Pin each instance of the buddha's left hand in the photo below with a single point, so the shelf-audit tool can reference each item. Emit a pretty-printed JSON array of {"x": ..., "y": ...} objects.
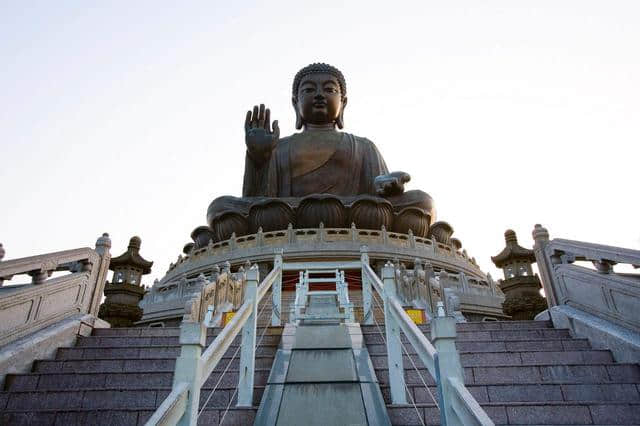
[{"x": 391, "y": 184}]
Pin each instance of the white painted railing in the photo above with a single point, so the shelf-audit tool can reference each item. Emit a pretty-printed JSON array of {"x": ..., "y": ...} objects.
[
  {"x": 193, "y": 367},
  {"x": 457, "y": 405},
  {"x": 303, "y": 292}
]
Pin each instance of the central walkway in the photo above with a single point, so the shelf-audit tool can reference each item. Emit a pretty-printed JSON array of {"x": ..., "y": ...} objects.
[{"x": 322, "y": 374}]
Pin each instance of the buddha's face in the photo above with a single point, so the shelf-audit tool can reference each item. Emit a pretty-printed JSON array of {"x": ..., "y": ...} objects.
[{"x": 320, "y": 100}]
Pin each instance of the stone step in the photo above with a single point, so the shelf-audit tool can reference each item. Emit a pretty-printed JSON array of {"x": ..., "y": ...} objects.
[
  {"x": 130, "y": 365},
  {"x": 233, "y": 416},
  {"x": 150, "y": 398},
  {"x": 593, "y": 393},
  {"x": 536, "y": 345},
  {"x": 623, "y": 413},
  {"x": 497, "y": 335},
  {"x": 499, "y": 359},
  {"x": 167, "y": 331},
  {"x": 478, "y": 326},
  {"x": 124, "y": 380},
  {"x": 366, "y": 329},
  {"x": 142, "y": 352},
  {"x": 524, "y": 345},
  {"x": 501, "y": 335},
  {"x": 585, "y": 413},
  {"x": 115, "y": 341},
  {"x": 531, "y": 374}
]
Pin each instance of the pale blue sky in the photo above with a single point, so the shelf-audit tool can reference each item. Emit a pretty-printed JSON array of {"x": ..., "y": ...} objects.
[{"x": 127, "y": 116}]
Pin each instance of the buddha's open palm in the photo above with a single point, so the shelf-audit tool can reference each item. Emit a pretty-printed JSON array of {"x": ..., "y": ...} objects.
[{"x": 259, "y": 138}]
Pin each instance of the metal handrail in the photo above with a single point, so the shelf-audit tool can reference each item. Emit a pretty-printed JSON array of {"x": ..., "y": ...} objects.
[
  {"x": 377, "y": 284},
  {"x": 467, "y": 407},
  {"x": 216, "y": 350},
  {"x": 457, "y": 405},
  {"x": 193, "y": 367},
  {"x": 268, "y": 282},
  {"x": 172, "y": 408},
  {"x": 424, "y": 349}
]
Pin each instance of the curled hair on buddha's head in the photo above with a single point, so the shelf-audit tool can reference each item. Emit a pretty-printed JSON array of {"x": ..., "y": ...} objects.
[{"x": 319, "y": 68}]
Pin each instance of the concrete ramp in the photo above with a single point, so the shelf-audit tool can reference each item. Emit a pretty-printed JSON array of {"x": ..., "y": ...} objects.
[{"x": 322, "y": 375}]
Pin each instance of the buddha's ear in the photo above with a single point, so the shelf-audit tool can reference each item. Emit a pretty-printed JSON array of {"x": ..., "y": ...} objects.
[
  {"x": 340, "y": 119},
  {"x": 294, "y": 102}
]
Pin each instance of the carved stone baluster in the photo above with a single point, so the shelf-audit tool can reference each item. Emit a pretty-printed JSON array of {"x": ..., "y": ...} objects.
[
  {"x": 430, "y": 275},
  {"x": 260, "y": 237},
  {"x": 412, "y": 239},
  {"x": 291, "y": 235}
]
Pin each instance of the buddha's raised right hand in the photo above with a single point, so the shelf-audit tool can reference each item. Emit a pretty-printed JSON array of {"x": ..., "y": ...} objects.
[{"x": 259, "y": 138}]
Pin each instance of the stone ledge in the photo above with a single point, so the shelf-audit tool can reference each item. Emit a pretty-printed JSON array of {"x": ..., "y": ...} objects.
[
  {"x": 17, "y": 357},
  {"x": 602, "y": 334}
]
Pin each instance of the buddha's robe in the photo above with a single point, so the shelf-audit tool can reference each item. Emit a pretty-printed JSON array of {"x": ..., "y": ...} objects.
[
  {"x": 318, "y": 162},
  {"x": 322, "y": 162}
]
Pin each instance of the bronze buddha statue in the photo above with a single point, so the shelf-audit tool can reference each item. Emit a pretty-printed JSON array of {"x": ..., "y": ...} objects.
[{"x": 318, "y": 175}]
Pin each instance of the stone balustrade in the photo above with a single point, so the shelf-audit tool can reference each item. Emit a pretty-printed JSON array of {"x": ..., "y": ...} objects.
[
  {"x": 37, "y": 318},
  {"x": 325, "y": 235},
  {"x": 219, "y": 288},
  {"x": 307, "y": 244},
  {"x": 422, "y": 287},
  {"x": 597, "y": 303},
  {"x": 27, "y": 308},
  {"x": 600, "y": 291}
]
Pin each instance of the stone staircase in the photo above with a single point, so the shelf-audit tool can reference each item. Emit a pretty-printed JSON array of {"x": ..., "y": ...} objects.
[
  {"x": 521, "y": 372},
  {"x": 120, "y": 376}
]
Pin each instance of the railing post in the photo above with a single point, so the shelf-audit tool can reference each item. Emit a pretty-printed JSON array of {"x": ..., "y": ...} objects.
[
  {"x": 103, "y": 245},
  {"x": 367, "y": 313},
  {"x": 541, "y": 238},
  {"x": 248, "y": 344},
  {"x": 443, "y": 335},
  {"x": 276, "y": 292},
  {"x": 348, "y": 306},
  {"x": 394, "y": 344},
  {"x": 189, "y": 367},
  {"x": 298, "y": 301}
]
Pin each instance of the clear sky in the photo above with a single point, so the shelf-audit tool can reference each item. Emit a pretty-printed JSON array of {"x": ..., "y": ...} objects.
[{"x": 127, "y": 116}]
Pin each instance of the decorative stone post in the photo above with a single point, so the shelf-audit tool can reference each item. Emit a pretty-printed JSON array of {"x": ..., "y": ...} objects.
[
  {"x": 276, "y": 292},
  {"x": 367, "y": 312},
  {"x": 394, "y": 344},
  {"x": 448, "y": 366},
  {"x": 188, "y": 369},
  {"x": 541, "y": 238},
  {"x": 248, "y": 345}
]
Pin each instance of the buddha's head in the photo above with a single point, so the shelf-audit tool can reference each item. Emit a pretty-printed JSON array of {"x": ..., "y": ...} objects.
[{"x": 319, "y": 96}]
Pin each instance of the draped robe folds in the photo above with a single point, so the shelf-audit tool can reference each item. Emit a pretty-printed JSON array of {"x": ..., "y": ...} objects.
[
  {"x": 326, "y": 162},
  {"x": 319, "y": 162}
]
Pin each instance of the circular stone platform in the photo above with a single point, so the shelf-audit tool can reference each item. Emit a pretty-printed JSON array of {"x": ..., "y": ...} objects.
[{"x": 478, "y": 294}]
